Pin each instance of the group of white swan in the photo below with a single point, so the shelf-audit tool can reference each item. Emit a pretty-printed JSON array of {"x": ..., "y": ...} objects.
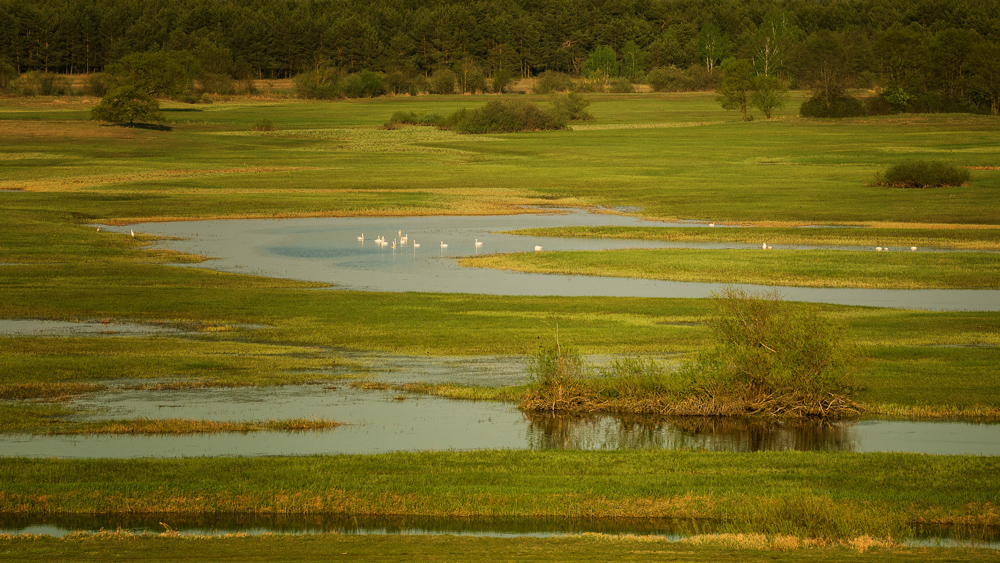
[{"x": 404, "y": 239}]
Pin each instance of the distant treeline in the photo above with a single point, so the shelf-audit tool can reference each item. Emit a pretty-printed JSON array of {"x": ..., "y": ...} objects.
[{"x": 907, "y": 43}]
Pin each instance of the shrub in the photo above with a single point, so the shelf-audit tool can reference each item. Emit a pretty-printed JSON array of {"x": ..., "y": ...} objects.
[
  {"x": 773, "y": 358},
  {"x": 501, "y": 81},
  {"x": 571, "y": 107},
  {"x": 621, "y": 85},
  {"x": 320, "y": 84},
  {"x": 128, "y": 104},
  {"x": 552, "y": 81},
  {"x": 443, "y": 82},
  {"x": 505, "y": 116},
  {"x": 412, "y": 118},
  {"x": 7, "y": 75},
  {"x": 669, "y": 79},
  {"x": 263, "y": 125},
  {"x": 921, "y": 174},
  {"x": 37, "y": 83},
  {"x": 843, "y": 106},
  {"x": 365, "y": 84}
]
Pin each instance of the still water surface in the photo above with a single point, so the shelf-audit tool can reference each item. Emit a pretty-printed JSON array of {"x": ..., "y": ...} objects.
[
  {"x": 327, "y": 250},
  {"x": 384, "y": 421}
]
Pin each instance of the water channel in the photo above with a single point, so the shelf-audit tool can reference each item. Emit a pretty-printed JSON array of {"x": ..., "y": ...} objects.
[{"x": 327, "y": 250}]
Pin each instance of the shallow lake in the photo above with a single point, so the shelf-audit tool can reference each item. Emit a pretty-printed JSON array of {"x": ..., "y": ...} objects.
[
  {"x": 327, "y": 250},
  {"x": 385, "y": 420}
]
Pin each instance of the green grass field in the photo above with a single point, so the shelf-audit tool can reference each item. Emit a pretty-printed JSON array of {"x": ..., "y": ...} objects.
[{"x": 668, "y": 156}]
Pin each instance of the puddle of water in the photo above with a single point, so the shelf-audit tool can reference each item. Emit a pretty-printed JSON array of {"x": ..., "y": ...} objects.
[
  {"x": 385, "y": 420},
  {"x": 327, "y": 250},
  {"x": 35, "y": 327}
]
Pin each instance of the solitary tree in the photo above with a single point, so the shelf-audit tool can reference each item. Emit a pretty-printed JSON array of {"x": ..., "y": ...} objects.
[
  {"x": 738, "y": 85},
  {"x": 769, "y": 93},
  {"x": 128, "y": 104}
]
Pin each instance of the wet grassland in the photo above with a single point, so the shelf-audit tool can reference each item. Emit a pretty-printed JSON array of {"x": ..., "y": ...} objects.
[{"x": 668, "y": 156}]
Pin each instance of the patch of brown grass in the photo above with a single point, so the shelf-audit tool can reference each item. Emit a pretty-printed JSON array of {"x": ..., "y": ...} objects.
[{"x": 149, "y": 427}]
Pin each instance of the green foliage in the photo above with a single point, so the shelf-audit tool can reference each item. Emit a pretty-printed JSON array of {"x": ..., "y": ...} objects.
[
  {"x": 7, "y": 75},
  {"x": 128, "y": 104},
  {"x": 621, "y": 85},
  {"x": 923, "y": 174},
  {"x": 321, "y": 83},
  {"x": 414, "y": 118},
  {"x": 669, "y": 79},
  {"x": 366, "y": 84},
  {"x": 263, "y": 125},
  {"x": 501, "y": 81},
  {"x": 712, "y": 45},
  {"x": 158, "y": 73},
  {"x": 571, "y": 107},
  {"x": 602, "y": 59},
  {"x": 633, "y": 62},
  {"x": 738, "y": 85},
  {"x": 552, "y": 81},
  {"x": 556, "y": 365},
  {"x": 769, "y": 94},
  {"x": 506, "y": 115},
  {"x": 443, "y": 82},
  {"x": 774, "y": 357},
  {"x": 37, "y": 83},
  {"x": 842, "y": 106}
]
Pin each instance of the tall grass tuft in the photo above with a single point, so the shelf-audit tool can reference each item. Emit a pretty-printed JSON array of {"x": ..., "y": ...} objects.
[{"x": 922, "y": 174}]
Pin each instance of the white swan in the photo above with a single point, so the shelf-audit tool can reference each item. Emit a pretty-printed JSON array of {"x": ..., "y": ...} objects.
[
  {"x": 538, "y": 248},
  {"x": 444, "y": 244},
  {"x": 362, "y": 237},
  {"x": 478, "y": 243}
]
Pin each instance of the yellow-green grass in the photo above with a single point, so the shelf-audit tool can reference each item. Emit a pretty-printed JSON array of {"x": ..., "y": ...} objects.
[
  {"x": 783, "y": 267},
  {"x": 575, "y": 549},
  {"x": 823, "y": 495},
  {"x": 792, "y": 170}
]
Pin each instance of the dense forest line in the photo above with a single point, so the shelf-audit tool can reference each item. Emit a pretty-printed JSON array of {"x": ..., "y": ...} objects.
[
  {"x": 948, "y": 47},
  {"x": 280, "y": 38}
]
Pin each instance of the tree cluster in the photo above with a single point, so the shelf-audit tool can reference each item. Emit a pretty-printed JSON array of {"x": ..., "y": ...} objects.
[{"x": 939, "y": 53}]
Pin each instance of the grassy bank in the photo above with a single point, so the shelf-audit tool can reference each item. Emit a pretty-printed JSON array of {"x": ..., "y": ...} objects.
[
  {"x": 824, "y": 495},
  {"x": 808, "y": 268}
]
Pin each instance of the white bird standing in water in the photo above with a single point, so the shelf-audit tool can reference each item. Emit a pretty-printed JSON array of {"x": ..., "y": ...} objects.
[
  {"x": 763, "y": 245},
  {"x": 133, "y": 233},
  {"x": 913, "y": 248}
]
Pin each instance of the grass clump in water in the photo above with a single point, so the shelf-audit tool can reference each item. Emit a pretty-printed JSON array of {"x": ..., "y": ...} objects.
[
  {"x": 923, "y": 174},
  {"x": 771, "y": 359}
]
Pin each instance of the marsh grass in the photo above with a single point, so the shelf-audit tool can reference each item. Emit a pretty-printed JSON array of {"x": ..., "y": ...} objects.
[
  {"x": 151, "y": 427},
  {"x": 807, "y": 494}
]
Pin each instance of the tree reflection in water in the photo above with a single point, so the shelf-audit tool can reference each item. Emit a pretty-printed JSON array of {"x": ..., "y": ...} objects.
[{"x": 633, "y": 432}]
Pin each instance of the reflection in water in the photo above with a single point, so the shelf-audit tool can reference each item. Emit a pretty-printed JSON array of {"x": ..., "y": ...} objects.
[
  {"x": 379, "y": 421},
  {"x": 551, "y": 431}
]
